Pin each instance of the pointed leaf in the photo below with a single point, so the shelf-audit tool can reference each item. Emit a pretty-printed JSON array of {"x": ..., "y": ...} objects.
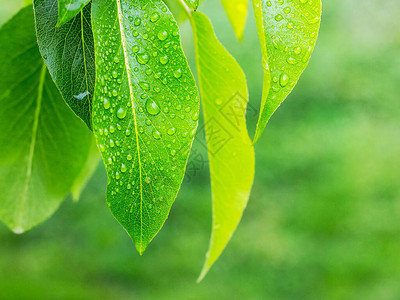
[
  {"x": 69, "y": 54},
  {"x": 237, "y": 14},
  {"x": 145, "y": 111},
  {"x": 288, "y": 32},
  {"x": 43, "y": 144},
  {"x": 224, "y": 96},
  {"x": 68, "y": 9}
]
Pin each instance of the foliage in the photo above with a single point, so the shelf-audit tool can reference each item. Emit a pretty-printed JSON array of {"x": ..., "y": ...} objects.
[{"x": 120, "y": 67}]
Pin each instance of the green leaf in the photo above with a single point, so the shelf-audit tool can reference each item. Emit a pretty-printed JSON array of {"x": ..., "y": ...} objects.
[
  {"x": 224, "y": 96},
  {"x": 179, "y": 8},
  {"x": 237, "y": 14},
  {"x": 192, "y": 4},
  {"x": 68, "y": 9},
  {"x": 288, "y": 32},
  {"x": 43, "y": 144},
  {"x": 145, "y": 111},
  {"x": 86, "y": 172},
  {"x": 69, "y": 54}
]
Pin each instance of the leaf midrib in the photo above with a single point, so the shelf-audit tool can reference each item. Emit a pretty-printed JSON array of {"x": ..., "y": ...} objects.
[
  {"x": 28, "y": 174},
  {"x": 128, "y": 72}
]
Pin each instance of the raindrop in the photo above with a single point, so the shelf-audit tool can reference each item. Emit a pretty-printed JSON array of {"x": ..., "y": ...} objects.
[
  {"x": 156, "y": 134},
  {"x": 152, "y": 107},
  {"x": 164, "y": 59},
  {"x": 121, "y": 113},
  {"x": 178, "y": 73},
  {"x": 154, "y": 17},
  {"x": 162, "y": 35},
  {"x": 171, "y": 131},
  {"x": 283, "y": 80},
  {"x": 143, "y": 58}
]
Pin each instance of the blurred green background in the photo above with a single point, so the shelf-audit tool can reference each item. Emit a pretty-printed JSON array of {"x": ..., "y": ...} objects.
[{"x": 323, "y": 221}]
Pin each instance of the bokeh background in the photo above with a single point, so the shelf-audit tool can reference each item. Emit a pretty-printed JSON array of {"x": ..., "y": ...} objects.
[{"x": 323, "y": 221}]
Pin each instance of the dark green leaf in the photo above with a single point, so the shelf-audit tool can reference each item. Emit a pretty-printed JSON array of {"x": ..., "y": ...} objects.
[
  {"x": 224, "y": 97},
  {"x": 43, "y": 144},
  {"x": 145, "y": 111},
  {"x": 288, "y": 31},
  {"x": 69, "y": 54},
  {"x": 68, "y": 9}
]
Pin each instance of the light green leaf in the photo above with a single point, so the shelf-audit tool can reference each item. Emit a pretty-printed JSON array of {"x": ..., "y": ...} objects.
[
  {"x": 237, "y": 14},
  {"x": 224, "y": 96},
  {"x": 288, "y": 32},
  {"x": 179, "y": 8},
  {"x": 68, "y": 9},
  {"x": 69, "y": 54},
  {"x": 86, "y": 172},
  {"x": 145, "y": 111},
  {"x": 43, "y": 144},
  {"x": 192, "y": 4}
]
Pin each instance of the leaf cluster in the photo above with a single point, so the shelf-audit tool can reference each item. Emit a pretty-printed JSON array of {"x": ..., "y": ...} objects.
[{"x": 117, "y": 66}]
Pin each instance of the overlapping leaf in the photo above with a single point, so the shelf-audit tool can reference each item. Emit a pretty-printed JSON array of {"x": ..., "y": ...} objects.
[
  {"x": 69, "y": 54},
  {"x": 145, "y": 111},
  {"x": 288, "y": 32},
  {"x": 43, "y": 145},
  {"x": 224, "y": 97},
  {"x": 68, "y": 9}
]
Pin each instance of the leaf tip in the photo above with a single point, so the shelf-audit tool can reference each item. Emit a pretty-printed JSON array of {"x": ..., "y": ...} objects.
[
  {"x": 203, "y": 273},
  {"x": 140, "y": 248},
  {"x": 18, "y": 230},
  {"x": 60, "y": 22}
]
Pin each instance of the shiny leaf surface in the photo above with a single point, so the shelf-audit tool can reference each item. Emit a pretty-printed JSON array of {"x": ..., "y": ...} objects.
[
  {"x": 145, "y": 111},
  {"x": 68, "y": 9},
  {"x": 69, "y": 54},
  {"x": 288, "y": 32}
]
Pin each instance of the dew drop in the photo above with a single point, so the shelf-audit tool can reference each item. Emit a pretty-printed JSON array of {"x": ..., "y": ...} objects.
[
  {"x": 162, "y": 35},
  {"x": 178, "y": 73},
  {"x": 144, "y": 85},
  {"x": 135, "y": 49},
  {"x": 283, "y": 80},
  {"x": 154, "y": 17},
  {"x": 143, "y": 58},
  {"x": 156, "y": 134},
  {"x": 171, "y": 131},
  {"x": 121, "y": 113},
  {"x": 152, "y": 107},
  {"x": 106, "y": 103},
  {"x": 164, "y": 59}
]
